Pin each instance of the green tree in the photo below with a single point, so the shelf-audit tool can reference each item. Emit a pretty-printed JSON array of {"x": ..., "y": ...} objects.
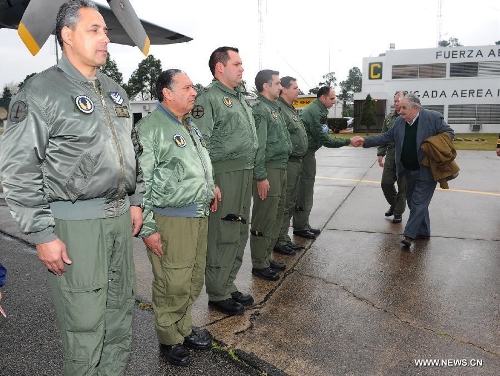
[
  {"x": 347, "y": 89},
  {"x": 111, "y": 69},
  {"x": 452, "y": 42},
  {"x": 368, "y": 114},
  {"x": 497, "y": 42},
  {"x": 6, "y": 97},
  {"x": 329, "y": 79},
  {"x": 25, "y": 79},
  {"x": 142, "y": 82}
]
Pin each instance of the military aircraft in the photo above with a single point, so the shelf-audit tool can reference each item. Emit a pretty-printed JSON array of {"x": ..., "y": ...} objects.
[{"x": 32, "y": 19}]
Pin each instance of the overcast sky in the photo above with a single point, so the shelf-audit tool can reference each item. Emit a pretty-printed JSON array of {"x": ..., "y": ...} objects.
[{"x": 301, "y": 38}]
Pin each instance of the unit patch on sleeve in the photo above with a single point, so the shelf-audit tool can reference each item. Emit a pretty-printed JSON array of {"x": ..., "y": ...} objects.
[
  {"x": 18, "y": 112},
  {"x": 84, "y": 104},
  {"x": 198, "y": 111}
]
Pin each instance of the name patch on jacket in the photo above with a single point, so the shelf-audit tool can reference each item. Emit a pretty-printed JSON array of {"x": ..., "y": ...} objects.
[
  {"x": 84, "y": 104},
  {"x": 180, "y": 141},
  {"x": 122, "y": 111}
]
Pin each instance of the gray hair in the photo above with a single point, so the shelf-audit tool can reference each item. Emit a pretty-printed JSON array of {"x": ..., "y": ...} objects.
[
  {"x": 166, "y": 80},
  {"x": 413, "y": 100},
  {"x": 68, "y": 16}
]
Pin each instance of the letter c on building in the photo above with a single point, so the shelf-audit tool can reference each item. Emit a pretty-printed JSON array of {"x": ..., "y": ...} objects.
[{"x": 375, "y": 71}]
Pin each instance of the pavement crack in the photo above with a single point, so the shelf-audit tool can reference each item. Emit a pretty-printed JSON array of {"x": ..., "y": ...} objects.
[{"x": 401, "y": 319}]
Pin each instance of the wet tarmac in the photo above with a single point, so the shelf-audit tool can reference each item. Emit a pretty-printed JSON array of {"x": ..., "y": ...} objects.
[{"x": 355, "y": 302}]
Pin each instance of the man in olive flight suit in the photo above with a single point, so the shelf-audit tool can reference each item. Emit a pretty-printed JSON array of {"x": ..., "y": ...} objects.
[
  {"x": 314, "y": 117},
  {"x": 269, "y": 174},
  {"x": 71, "y": 180},
  {"x": 179, "y": 193},
  {"x": 226, "y": 122},
  {"x": 298, "y": 136},
  {"x": 396, "y": 199}
]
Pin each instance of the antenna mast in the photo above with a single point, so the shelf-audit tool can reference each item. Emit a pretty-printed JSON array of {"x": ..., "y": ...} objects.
[
  {"x": 439, "y": 12},
  {"x": 261, "y": 33}
]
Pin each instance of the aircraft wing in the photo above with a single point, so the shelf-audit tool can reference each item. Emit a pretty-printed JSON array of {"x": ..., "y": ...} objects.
[{"x": 157, "y": 34}]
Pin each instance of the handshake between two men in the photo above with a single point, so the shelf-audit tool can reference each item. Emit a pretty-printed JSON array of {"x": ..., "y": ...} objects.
[{"x": 357, "y": 141}]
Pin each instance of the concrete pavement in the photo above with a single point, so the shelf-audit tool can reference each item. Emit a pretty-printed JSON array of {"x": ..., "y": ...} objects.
[{"x": 353, "y": 303}]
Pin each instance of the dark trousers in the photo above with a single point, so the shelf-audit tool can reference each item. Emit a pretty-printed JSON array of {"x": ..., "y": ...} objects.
[{"x": 419, "y": 192}]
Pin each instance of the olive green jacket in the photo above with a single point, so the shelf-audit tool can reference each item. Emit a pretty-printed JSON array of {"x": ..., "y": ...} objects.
[
  {"x": 314, "y": 117},
  {"x": 176, "y": 168},
  {"x": 388, "y": 124},
  {"x": 298, "y": 135},
  {"x": 274, "y": 140},
  {"x": 226, "y": 122},
  {"x": 68, "y": 151}
]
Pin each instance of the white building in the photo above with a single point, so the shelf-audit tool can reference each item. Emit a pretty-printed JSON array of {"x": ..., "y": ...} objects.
[{"x": 463, "y": 83}]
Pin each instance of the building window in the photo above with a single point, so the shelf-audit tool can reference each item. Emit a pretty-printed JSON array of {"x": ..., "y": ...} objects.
[
  {"x": 464, "y": 69},
  {"x": 432, "y": 70},
  {"x": 404, "y": 71},
  {"x": 472, "y": 114},
  {"x": 410, "y": 71},
  {"x": 488, "y": 113},
  {"x": 489, "y": 69},
  {"x": 438, "y": 107}
]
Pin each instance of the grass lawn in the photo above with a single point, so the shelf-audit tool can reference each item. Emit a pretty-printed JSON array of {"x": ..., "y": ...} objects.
[{"x": 468, "y": 141}]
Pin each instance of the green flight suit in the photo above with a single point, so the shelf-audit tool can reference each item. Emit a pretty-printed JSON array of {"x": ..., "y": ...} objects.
[
  {"x": 226, "y": 122},
  {"x": 298, "y": 137},
  {"x": 396, "y": 199},
  {"x": 179, "y": 190},
  {"x": 314, "y": 118},
  {"x": 271, "y": 164}
]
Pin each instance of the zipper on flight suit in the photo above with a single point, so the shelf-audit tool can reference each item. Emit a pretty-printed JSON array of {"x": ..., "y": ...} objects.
[
  {"x": 205, "y": 170},
  {"x": 121, "y": 189}
]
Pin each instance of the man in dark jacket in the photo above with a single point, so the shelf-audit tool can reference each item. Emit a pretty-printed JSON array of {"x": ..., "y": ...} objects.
[{"x": 412, "y": 128}]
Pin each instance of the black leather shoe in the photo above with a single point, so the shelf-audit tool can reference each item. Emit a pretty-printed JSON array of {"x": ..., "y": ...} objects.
[
  {"x": 306, "y": 234},
  {"x": 406, "y": 241},
  {"x": 229, "y": 306},
  {"x": 315, "y": 231},
  {"x": 275, "y": 265},
  {"x": 397, "y": 218},
  {"x": 295, "y": 246},
  {"x": 245, "y": 299},
  {"x": 199, "y": 339},
  {"x": 284, "y": 250},
  {"x": 266, "y": 273},
  {"x": 175, "y": 354},
  {"x": 389, "y": 212}
]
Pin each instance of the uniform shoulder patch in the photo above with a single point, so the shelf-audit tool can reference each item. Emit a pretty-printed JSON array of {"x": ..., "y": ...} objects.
[
  {"x": 18, "y": 112},
  {"x": 84, "y": 104},
  {"x": 227, "y": 101},
  {"x": 198, "y": 111}
]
